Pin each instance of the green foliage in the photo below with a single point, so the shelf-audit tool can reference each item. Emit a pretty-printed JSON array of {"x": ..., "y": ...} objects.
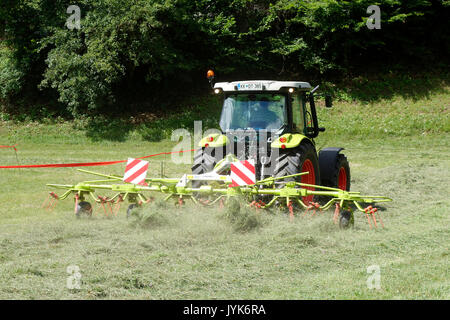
[
  {"x": 132, "y": 51},
  {"x": 10, "y": 76},
  {"x": 151, "y": 133},
  {"x": 102, "y": 128}
]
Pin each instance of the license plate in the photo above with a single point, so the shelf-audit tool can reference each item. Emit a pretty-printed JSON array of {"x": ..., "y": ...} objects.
[{"x": 250, "y": 86}]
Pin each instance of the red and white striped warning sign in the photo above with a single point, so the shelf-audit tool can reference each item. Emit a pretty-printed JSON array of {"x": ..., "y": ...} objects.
[
  {"x": 136, "y": 171},
  {"x": 243, "y": 173}
]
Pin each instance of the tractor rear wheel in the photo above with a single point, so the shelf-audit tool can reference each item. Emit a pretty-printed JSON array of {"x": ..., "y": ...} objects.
[
  {"x": 204, "y": 161},
  {"x": 341, "y": 175},
  {"x": 301, "y": 159}
]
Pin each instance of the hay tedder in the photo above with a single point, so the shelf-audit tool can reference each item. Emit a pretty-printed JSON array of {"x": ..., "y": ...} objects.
[{"x": 264, "y": 154}]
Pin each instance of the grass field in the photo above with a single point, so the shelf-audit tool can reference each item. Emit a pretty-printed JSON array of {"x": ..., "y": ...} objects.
[{"x": 397, "y": 147}]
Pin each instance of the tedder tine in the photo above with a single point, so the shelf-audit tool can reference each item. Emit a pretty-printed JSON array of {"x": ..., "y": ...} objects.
[{"x": 288, "y": 193}]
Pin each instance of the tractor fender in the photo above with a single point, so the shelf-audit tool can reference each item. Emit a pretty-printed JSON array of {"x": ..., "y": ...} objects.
[
  {"x": 327, "y": 161},
  {"x": 293, "y": 140},
  {"x": 214, "y": 140}
]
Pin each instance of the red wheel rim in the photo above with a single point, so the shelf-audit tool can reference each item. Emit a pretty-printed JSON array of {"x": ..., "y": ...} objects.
[
  {"x": 342, "y": 179},
  {"x": 309, "y": 178}
]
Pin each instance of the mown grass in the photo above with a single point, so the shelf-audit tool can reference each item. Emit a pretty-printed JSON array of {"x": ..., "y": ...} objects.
[{"x": 398, "y": 147}]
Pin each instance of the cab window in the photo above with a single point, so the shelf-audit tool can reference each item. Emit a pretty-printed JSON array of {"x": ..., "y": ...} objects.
[{"x": 298, "y": 105}]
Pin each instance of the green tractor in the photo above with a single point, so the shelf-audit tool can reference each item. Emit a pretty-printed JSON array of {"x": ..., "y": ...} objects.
[{"x": 274, "y": 123}]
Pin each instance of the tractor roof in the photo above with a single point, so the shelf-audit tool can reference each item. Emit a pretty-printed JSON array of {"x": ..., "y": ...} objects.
[{"x": 261, "y": 85}]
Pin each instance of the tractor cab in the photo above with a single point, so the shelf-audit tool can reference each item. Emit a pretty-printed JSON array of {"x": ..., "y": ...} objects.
[{"x": 277, "y": 107}]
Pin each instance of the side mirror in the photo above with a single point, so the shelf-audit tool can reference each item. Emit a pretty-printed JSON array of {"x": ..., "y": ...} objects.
[{"x": 328, "y": 101}]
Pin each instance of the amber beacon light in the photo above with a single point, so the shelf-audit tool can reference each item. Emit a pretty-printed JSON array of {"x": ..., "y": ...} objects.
[{"x": 210, "y": 75}]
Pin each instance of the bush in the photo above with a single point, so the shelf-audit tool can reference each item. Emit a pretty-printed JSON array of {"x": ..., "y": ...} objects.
[
  {"x": 10, "y": 76},
  {"x": 153, "y": 134}
]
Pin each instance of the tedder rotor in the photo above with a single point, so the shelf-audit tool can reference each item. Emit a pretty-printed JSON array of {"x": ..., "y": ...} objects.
[{"x": 218, "y": 191}]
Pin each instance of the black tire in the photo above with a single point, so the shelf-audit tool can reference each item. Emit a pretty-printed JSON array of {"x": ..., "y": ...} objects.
[
  {"x": 205, "y": 159},
  {"x": 131, "y": 207},
  {"x": 333, "y": 181},
  {"x": 346, "y": 219},
  {"x": 290, "y": 161},
  {"x": 84, "y": 207}
]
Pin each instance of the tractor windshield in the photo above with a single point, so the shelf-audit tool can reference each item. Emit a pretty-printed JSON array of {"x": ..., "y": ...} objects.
[{"x": 259, "y": 111}]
